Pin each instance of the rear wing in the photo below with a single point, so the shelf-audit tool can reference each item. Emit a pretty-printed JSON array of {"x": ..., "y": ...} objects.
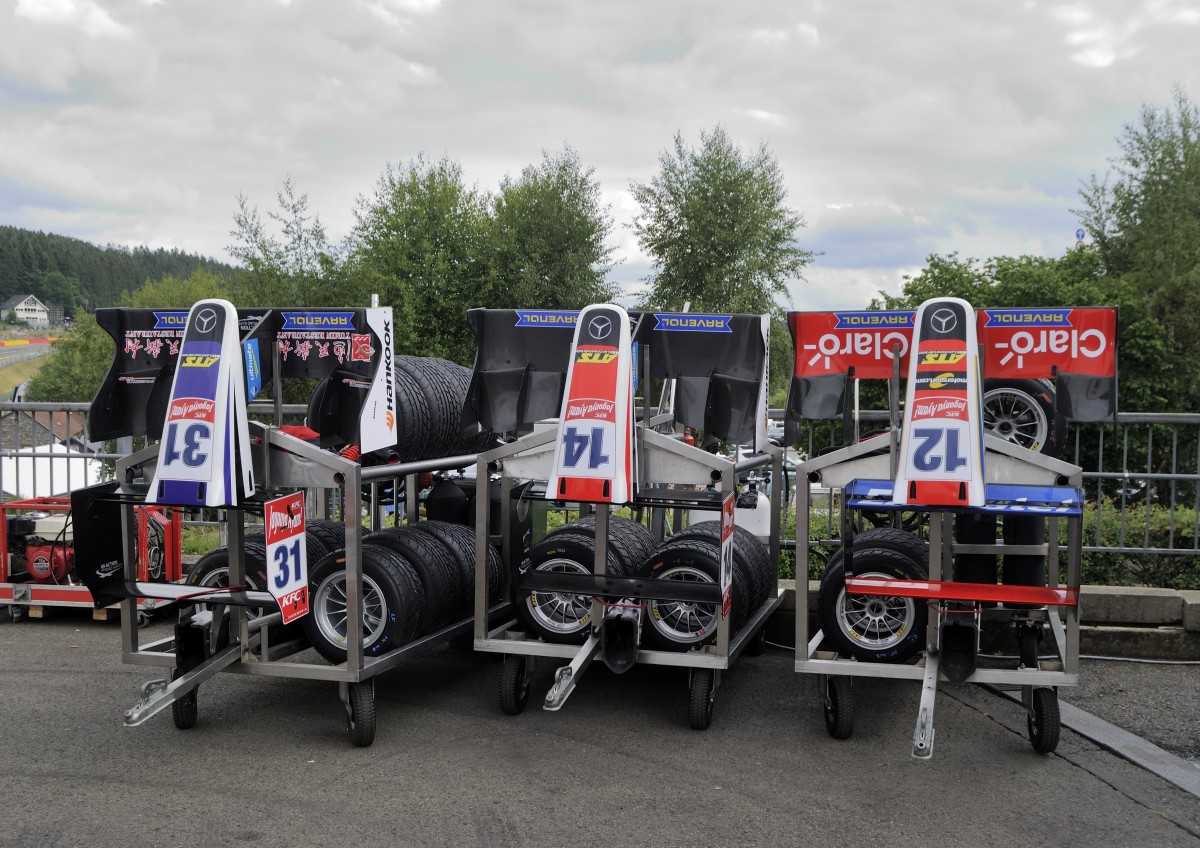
[
  {"x": 351, "y": 349},
  {"x": 719, "y": 364},
  {"x": 1074, "y": 346}
]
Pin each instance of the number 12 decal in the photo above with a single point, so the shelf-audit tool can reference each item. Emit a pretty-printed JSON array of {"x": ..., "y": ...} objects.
[{"x": 925, "y": 459}]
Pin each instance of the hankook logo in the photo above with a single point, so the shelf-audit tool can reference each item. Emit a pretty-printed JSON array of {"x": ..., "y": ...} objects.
[
  {"x": 206, "y": 319},
  {"x": 599, "y": 327},
  {"x": 943, "y": 321}
]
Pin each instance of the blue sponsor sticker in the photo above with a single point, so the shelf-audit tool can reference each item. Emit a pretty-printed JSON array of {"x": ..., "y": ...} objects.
[
  {"x": 253, "y": 369},
  {"x": 873, "y": 320},
  {"x": 687, "y": 322},
  {"x": 1028, "y": 317},
  {"x": 170, "y": 320},
  {"x": 318, "y": 321},
  {"x": 546, "y": 318}
]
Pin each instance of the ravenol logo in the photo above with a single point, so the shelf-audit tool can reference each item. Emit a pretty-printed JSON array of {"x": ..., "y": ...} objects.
[
  {"x": 687, "y": 323},
  {"x": 546, "y": 318},
  {"x": 170, "y": 320},
  {"x": 1028, "y": 317},
  {"x": 318, "y": 321},
  {"x": 196, "y": 360},
  {"x": 869, "y": 320}
]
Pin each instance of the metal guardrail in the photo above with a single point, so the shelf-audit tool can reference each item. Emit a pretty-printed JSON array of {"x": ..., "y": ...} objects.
[
  {"x": 45, "y": 450},
  {"x": 1141, "y": 472}
]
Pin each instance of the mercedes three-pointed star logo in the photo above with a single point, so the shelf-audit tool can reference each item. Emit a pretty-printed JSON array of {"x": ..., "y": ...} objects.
[
  {"x": 599, "y": 327},
  {"x": 943, "y": 321},
  {"x": 206, "y": 319}
]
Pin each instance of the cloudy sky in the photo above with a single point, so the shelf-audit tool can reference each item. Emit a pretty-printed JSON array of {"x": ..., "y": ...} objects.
[{"x": 902, "y": 129}]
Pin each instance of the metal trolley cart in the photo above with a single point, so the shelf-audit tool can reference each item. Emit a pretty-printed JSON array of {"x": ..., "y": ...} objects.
[
  {"x": 519, "y": 381},
  {"x": 1046, "y": 487},
  {"x": 878, "y": 608},
  {"x": 233, "y": 628}
]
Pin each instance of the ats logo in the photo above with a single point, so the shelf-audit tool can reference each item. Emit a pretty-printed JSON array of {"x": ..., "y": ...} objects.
[
  {"x": 600, "y": 357},
  {"x": 942, "y": 358},
  {"x": 195, "y": 360}
]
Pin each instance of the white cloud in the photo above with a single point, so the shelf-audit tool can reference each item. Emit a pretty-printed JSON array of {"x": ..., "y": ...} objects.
[
  {"x": 90, "y": 18},
  {"x": 899, "y": 131}
]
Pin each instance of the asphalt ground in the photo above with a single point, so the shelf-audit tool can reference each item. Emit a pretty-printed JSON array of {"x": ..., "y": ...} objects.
[{"x": 269, "y": 762}]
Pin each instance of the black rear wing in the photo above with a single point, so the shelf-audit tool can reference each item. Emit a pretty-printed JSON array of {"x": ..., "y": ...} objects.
[
  {"x": 348, "y": 346},
  {"x": 718, "y": 362}
]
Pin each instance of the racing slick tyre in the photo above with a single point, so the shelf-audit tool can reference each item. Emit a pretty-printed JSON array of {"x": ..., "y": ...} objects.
[
  {"x": 1022, "y": 412},
  {"x": 681, "y": 625},
  {"x": 875, "y": 628},
  {"x": 391, "y": 604},
  {"x": 436, "y": 569},
  {"x": 561, "y": 617},
  {"x": 629, "y": 540},
  {"x": 749, "y": 555}
]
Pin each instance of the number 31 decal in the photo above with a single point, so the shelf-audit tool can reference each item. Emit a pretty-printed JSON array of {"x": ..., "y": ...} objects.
[{"x": 195, "y": 441}]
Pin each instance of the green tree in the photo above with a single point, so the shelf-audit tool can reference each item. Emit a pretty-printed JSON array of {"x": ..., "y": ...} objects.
[
  {"x": 714, "y": 221},
  {"x": 550, "y": 234},
  {"x": 300, "y": 267},
  {"x": 1144, "y": 217},
  {"x": 1076, "y": 279},
  {"x": 423, "y": 240},
  {"x": 79, "y": 359},
  {"x": 171, "y": 292},
  {"x": 55, "y": 287},
  {"x": 76, "y": 366}
]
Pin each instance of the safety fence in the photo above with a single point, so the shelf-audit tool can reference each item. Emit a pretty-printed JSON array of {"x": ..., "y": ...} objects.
[{"x": 1141, "y": 477}]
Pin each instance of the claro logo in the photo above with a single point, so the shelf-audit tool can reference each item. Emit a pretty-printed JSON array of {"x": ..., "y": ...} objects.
[
  {"x": 876, "y": 345},
  {"x": 1071, "y": 343}
]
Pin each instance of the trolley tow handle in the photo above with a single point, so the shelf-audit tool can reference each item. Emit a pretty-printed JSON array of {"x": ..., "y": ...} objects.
[
  {"x": 922, "y": 747},
  {"x": 567, "y": 676},
  {"x": 157, "y": 695}
]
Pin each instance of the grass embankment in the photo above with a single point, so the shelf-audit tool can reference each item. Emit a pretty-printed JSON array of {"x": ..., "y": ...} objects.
[{"x": 14, "y": 375}]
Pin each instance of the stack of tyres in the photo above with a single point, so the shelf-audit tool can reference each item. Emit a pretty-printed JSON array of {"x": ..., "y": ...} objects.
[
  {"x": 571, "y": 549},
  {"x": 694, "y": 555},
  {"x": 430, "y": 394},
  {"x": 416, "y": 580}
]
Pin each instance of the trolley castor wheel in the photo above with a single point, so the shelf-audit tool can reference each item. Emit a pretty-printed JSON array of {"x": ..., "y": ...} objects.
[
  {"x": 514, "y": 684},
  {"x": 360, "y": 713},
  {"x": 839, "y": 707},
  {"x": 701, "y": 690},
  {"x": 186, "y": 711},
  {"x": 1043, "y": 720}
]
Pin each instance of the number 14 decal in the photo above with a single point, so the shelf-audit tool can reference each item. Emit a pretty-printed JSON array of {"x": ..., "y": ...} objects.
[
  {"x": 925, "y": 456},
  {"x": 575, "y": 444}
]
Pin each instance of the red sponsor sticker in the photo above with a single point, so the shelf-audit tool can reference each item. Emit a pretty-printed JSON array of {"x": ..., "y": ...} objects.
[
  {"x": 1029, "y": 343},
  {"x": 360, "y": 347},
  {"x": 834, "y": 342},
  {"x": 192, "y": 409}
]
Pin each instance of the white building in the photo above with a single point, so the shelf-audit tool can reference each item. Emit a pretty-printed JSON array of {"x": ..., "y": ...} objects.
[{"x": 27, "y": 308}]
